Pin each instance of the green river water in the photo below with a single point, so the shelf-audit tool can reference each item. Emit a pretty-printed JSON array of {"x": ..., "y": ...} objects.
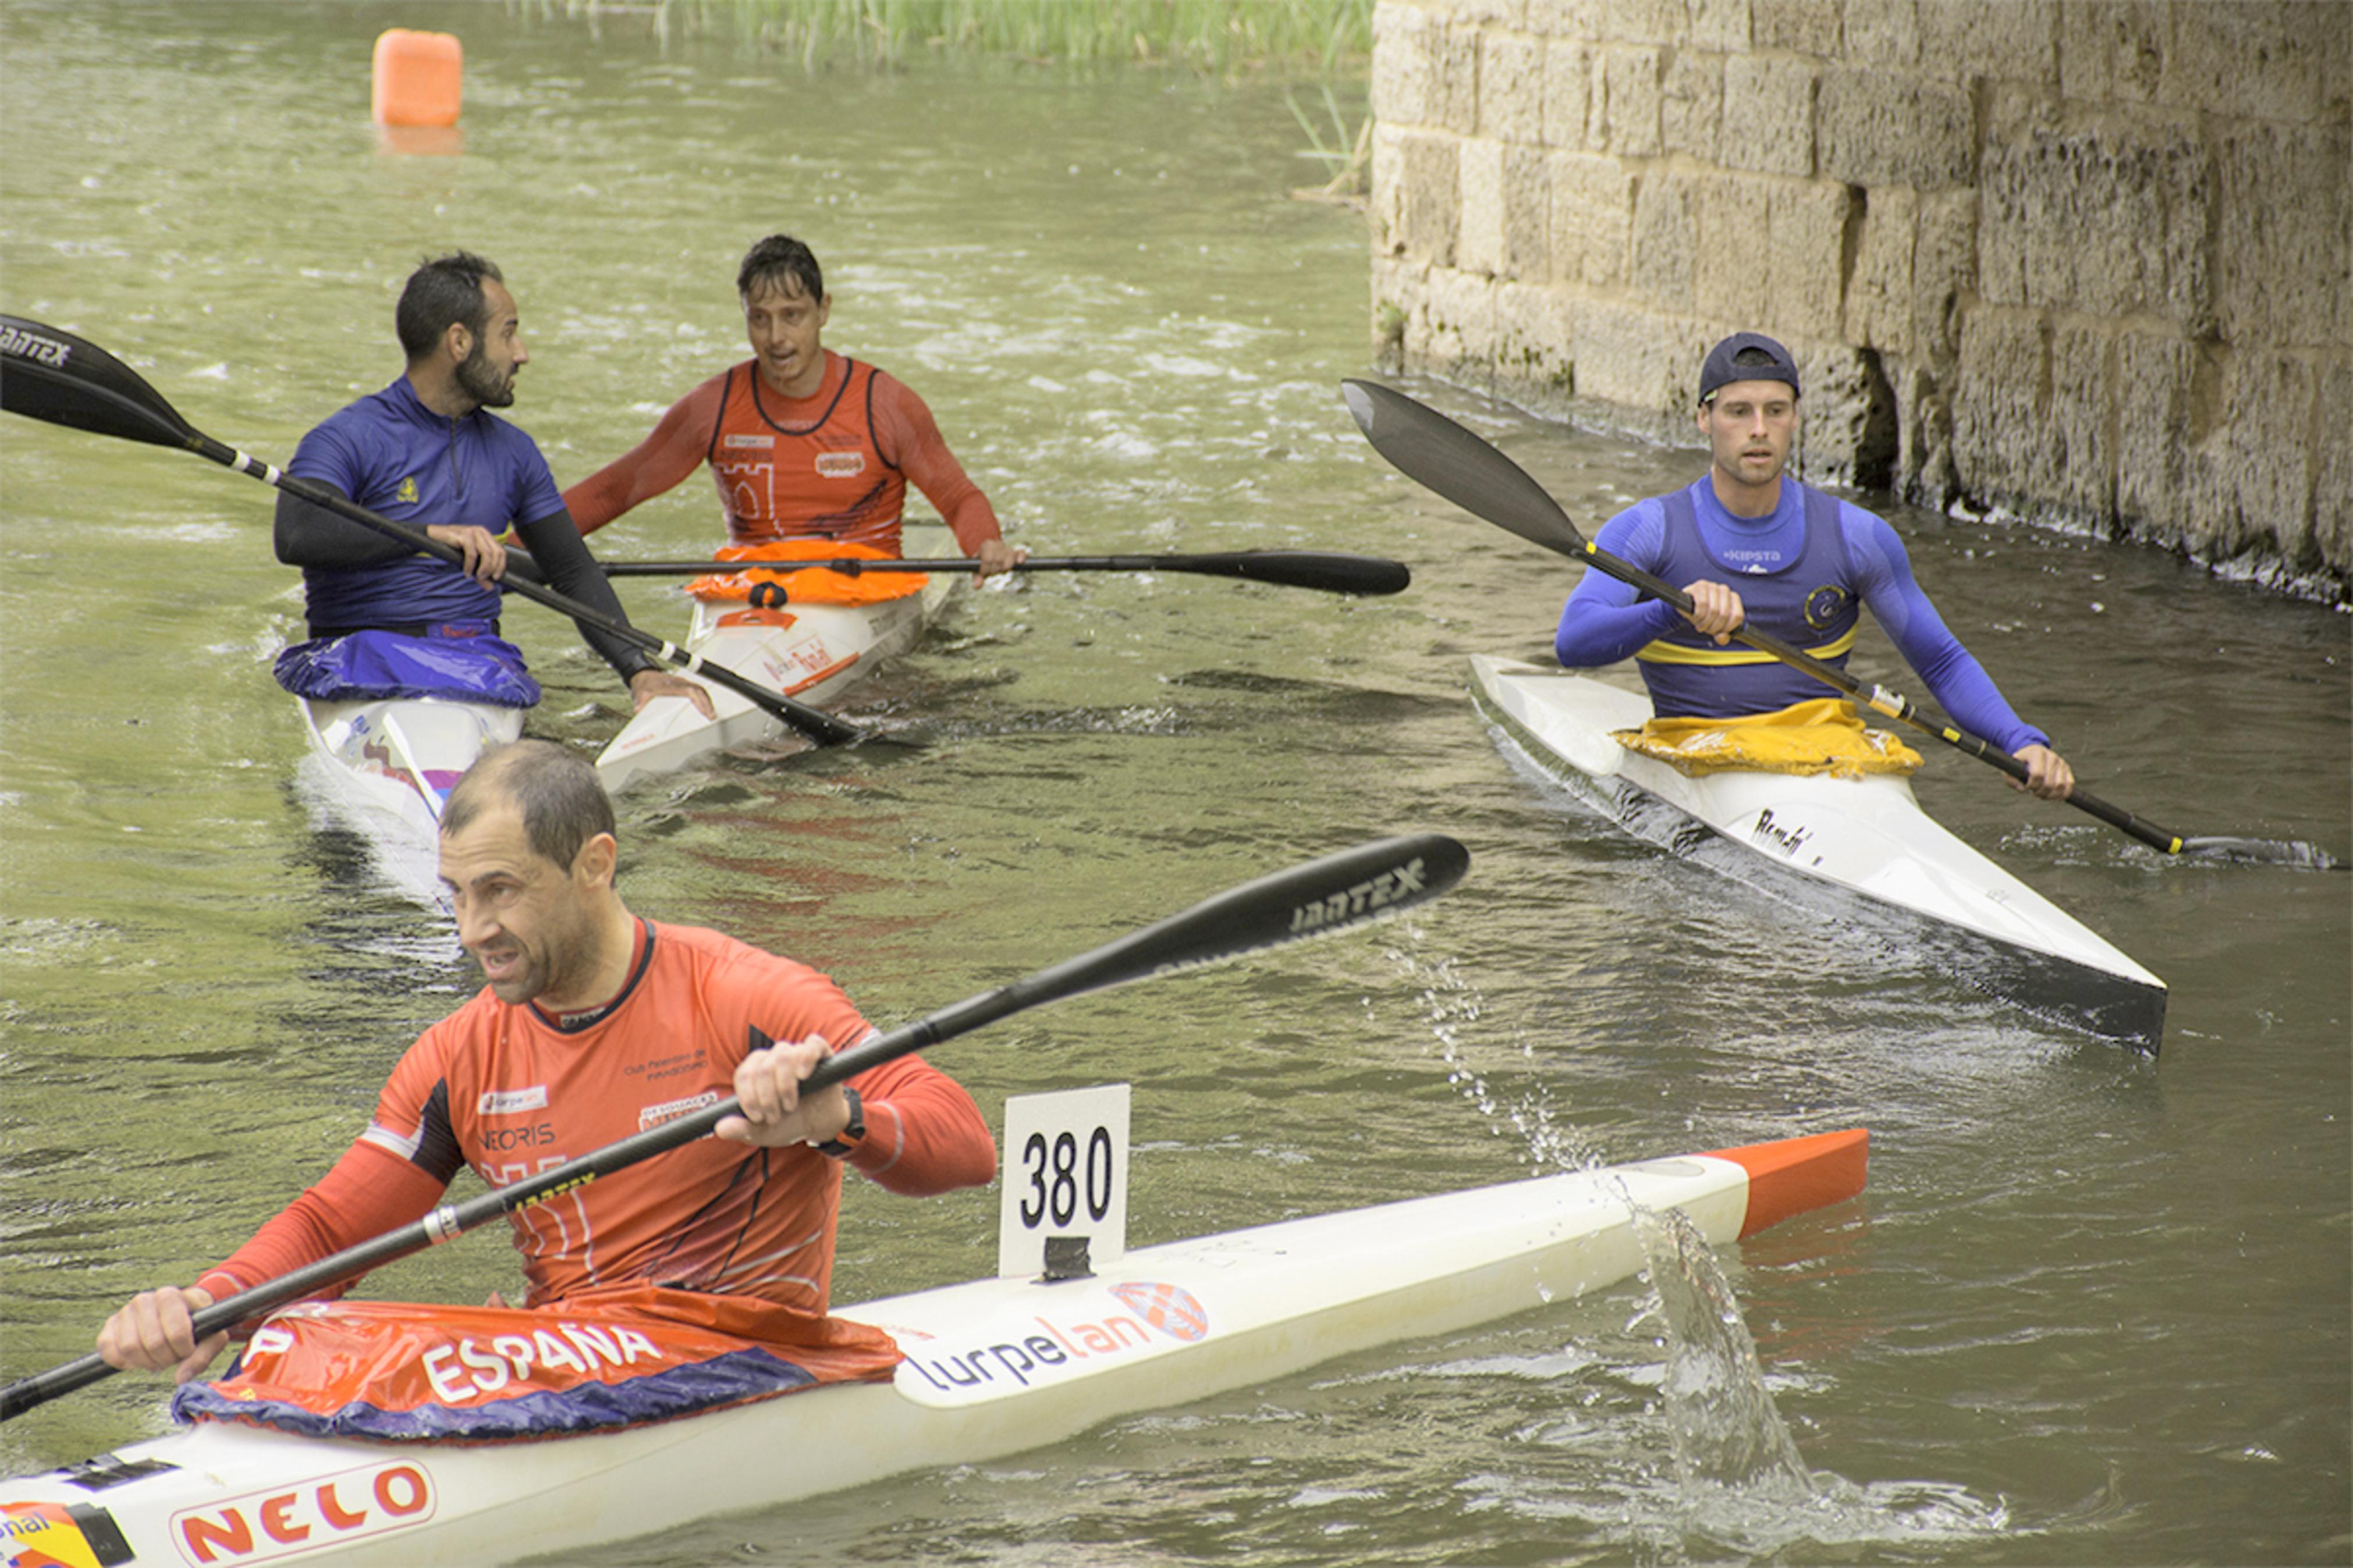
[{"x": 2094, "y": 1307}]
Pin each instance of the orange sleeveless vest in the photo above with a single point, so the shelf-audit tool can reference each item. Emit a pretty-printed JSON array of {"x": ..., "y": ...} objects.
[{"x": 825, "y": 480}]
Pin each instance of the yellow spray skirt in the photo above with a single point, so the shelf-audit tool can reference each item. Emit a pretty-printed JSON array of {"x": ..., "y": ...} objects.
[{"x": 1823, "y": 736}]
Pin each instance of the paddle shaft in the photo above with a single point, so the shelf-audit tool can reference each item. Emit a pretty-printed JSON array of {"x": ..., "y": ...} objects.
[
  {"x": 1325, "y": 571},
  {"x": 1321, "y": 897}
]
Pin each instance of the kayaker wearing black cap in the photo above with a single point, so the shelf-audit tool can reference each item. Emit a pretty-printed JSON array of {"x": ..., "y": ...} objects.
[{"x": 1807, "y": 563}]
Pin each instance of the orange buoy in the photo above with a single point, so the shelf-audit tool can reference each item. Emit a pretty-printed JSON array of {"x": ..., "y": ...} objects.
[{"x": 417, "y": 77}]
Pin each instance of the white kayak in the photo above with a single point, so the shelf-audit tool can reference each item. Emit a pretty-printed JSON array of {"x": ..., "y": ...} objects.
[
  {"x": 1863, "y": 837},
  {"x": 384, "y": 768},
  {"x": 812, "y": 653},
  {"x": 992, "y": 1367}
]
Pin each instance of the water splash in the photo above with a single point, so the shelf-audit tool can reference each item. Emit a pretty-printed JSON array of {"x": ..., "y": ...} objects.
[{"x": 1737, "y": 1484}]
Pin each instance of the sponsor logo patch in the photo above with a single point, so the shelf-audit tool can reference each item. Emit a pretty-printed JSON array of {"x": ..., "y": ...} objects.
[
  {"x": 512, "y": 1102},
  {"x": 305, "y": 1516},
  {"x": 841, "y": 465},
  {"x": 750, "y": 443},
  {"x": 671, "y": 1110},
  {"x": 407, "y": 492}
]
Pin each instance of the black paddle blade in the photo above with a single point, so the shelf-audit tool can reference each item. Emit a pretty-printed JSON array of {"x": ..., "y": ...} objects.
[
  {"x": 2266, "y": 852},
  {"x": 1430, "y": 449},
  {"x": 48, "y": 375}
]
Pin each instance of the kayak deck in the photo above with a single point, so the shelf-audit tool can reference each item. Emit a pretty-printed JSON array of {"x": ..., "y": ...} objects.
[
  {"x": 1831, "y": 844},
  {"x": 992, "y": 1367},
  {"x": 813, "y": 653}
]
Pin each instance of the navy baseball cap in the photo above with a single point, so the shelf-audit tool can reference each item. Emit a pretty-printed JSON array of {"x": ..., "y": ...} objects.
[{"x": 1746, "y": 356}]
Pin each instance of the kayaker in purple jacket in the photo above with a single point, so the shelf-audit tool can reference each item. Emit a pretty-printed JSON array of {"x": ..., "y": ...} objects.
[
  {"x": 427, "y": 451},
  {"x": 1807, "y": 563}
]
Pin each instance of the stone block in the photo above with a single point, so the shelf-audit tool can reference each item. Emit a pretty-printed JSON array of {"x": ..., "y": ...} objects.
[
  {"x": 1628, "y": 102},
  {"x": 1691, "y": 105},
  {"x": 1636, "y": 359},
  {"x": 2111, "y": 219},
  {"x": 1478, "y": 243},
  {"x": 1997, "y": 406},
  {"x": 1651, "y": 22},
  {"x": 1663, "y": 240},
  {"x": 1768, "y": 115},
  {"x": 1404, "y": 45},
  {"x": 2078, "y": 466},
  {"x": 1568, "y": 72},
  {"x": 1944, "y": 271},
  {"x": 1398, "y": 289},
  {"x": 2268, "y": 59},
  {"x": 2332, "y": 498},
  {"x": 1454, "y": 103},
  {"x": 1384, "y": 209},
  {"x": 1592, "y": 217},
  {"x": 1510, "y": 88},
  {"x": 1726, "y": 26},
  {"x": 2113, "y": 51},
  {"x": 1883, "y": 34},
  {"x": 1735, "y": 227},
  {"x": 1429, "y": 199},
  {"x": 1535, "y": 338},
  {"x": 1874, "y": 128},
  {"x": 1575, "y": 19},
  {"x": 2003, "y": 40},
  {"x": 1527, "y": 215},
  {"x": 2283, "y": 259},
  {"x": 1879, "y": 291},
  {"x": 2158, "y": 428},
  {"x": 1806, "y": 248},
  {"x": 1462, "y": 320},
  {"x": 2261, "y": 458},
  {"x": 1801, "y": 27}
]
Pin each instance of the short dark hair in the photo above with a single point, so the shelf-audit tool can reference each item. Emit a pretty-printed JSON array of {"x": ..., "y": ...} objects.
[
  {"x": 445, "y": 292},
  {"x": 776, "y": 258},
  {"x": 562, "y": 801}
]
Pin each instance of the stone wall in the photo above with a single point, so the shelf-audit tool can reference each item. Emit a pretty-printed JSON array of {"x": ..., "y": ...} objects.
[{"x": 2088, "y": 261}]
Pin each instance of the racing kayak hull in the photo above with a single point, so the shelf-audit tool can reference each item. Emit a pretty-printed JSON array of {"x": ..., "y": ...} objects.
[
  {"x": 992, "y": 1367},
  {"x": 1835, "y": 846}
]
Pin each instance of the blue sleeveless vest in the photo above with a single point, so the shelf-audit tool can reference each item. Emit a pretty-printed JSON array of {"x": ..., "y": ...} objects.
[{"x": 1809, "y": 604}]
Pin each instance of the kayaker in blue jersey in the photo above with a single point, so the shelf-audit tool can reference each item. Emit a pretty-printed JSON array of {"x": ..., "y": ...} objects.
[
  {"x": 386, "y": 620},
  {"x": 1805, "y": 563}
]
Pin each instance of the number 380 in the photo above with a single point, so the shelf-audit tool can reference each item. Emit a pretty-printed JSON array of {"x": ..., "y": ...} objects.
[{"x": 1057, "y": 1182}]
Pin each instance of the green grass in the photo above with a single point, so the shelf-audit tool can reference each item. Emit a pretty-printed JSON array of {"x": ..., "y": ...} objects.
[{"x": 1214, "y": 37}]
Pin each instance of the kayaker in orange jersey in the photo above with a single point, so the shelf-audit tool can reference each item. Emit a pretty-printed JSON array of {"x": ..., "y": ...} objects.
[
  {"x": 802, "y": 442},
  {"x": 427, "y": 451},
  {"x": 1806, "y": 562},
  {"x": 592, "y": 1024}
]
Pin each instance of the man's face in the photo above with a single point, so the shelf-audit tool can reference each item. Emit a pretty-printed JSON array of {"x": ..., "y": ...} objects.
[
  {"x": 528, "y": 921},
  {"x": 783, "y": 325},
  {"x": 1748, "y": 425},
  {"x": 486, "y": 374}
]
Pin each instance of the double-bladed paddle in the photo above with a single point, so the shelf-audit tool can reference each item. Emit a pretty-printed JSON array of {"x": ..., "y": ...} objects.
[
  {"x": 1458, "y": 464},
  {"x": 1322, "y": 896},
  {"x": 1325, "y": 571},
  {"x": 53, "y": 375}
]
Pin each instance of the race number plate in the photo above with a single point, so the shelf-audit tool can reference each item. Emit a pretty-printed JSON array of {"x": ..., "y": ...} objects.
[{"x": 1065, "y": 1175}]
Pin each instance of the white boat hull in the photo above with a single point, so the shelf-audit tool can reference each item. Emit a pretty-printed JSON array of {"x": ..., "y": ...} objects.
[
  {"x": 384, "y": 768},
  {"x": 812, "y": 653},
  {"x": 1864, "y": 838},
  {"x": 993, "y": 1367}
]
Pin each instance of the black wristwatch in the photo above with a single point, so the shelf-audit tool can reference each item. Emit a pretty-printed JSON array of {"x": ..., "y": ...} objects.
[{"x": 838, "y": 1146}]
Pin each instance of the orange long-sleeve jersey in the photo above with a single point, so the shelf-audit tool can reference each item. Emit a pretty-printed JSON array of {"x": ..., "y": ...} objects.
[
  {"x": 510, "y": 1091},
  {"x": 835, "y": 465}
]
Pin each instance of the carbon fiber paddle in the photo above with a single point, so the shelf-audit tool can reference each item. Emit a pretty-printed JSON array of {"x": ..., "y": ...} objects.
[{"x": 1324, "y": 896}]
